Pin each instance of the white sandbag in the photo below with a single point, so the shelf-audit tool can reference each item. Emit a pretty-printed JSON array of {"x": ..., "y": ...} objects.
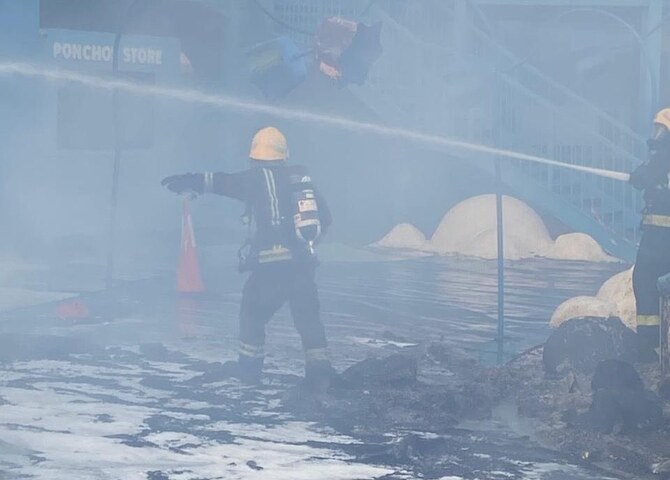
[{"x": 579, "y": 307}]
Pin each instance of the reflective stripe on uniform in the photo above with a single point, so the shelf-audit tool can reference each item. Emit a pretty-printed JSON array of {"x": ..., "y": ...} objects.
[
  {"x": 648, "y": 320},
  {"x": 275, "y": 254},
  {"x": 209, "y": 182},
  {"x": 254, "y": 351},
  {"x": 272, "y": 193},
  {"x": 657, "y": 220},
  {"x": 316, "y": 354}
]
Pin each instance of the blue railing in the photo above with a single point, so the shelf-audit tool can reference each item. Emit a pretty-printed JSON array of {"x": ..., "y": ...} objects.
[{"x": 451, "y": 78}]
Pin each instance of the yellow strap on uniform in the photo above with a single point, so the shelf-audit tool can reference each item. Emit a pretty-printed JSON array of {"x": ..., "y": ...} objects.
[
  {"x": 657, "y": 220},
  {"x": 648, "y": 320},
  {"x": 275, "y": 254}
]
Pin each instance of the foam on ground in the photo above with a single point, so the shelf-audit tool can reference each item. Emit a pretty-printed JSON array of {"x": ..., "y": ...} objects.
[
  {"x": 580, "y": 307},
  {"x": 403, "y": 236},
  {"x": 615, "y": 298},
  {"x": 578, "y": 246},
  {"x": 619, "y": 290},
  {"x": 470, "y": 228}
]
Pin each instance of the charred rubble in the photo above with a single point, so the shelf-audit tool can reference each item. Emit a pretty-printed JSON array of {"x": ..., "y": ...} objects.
[{"x": 590, "y": 394}]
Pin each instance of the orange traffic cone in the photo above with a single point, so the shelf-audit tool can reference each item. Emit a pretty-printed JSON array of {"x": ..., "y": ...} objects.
[
  {"x": 72, "y": 310},
  {"x": 188, "y": 277}
]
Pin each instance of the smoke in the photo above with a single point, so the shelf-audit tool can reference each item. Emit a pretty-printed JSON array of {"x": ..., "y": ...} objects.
[
  {"x": 379, "y": 160},
  {"x": 222, "y": 101}
]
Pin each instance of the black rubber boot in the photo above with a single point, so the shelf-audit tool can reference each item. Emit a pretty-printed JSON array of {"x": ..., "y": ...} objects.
[{"x": 319, "y": 375}]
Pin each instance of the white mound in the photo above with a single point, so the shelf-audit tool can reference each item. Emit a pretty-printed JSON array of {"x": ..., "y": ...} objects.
[
  {"x": 403, "y": 236},
  {"x": 619, "y": 290},
  {"x": 470, "y": 229},
  {"x": 615, "y": 298},
  {"x": 577, "y": 246},
  {"x": 579, "y": 307}
]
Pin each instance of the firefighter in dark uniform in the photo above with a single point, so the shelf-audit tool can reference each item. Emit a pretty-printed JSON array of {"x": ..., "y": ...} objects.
[
  {"x": 288, "y": 216},
  {"x": 653, "y": 256}
]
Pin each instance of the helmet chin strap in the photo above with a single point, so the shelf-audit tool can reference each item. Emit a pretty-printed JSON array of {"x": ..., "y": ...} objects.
[
  {"x": 659, "y": 141},
  {"x": 266, "y": 163}
]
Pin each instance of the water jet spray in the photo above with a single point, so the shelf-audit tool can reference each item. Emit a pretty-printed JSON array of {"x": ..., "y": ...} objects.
[{"x": 231, "y": 103}]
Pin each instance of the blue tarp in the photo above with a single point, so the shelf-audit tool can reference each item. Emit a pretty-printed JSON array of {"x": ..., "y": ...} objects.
[{"x": 277, "y": 67}]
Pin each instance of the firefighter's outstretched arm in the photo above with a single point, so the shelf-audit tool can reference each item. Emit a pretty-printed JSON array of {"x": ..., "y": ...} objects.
[
  {"x": 228, "y": 184},
  {"x": 649, "y": 174}
]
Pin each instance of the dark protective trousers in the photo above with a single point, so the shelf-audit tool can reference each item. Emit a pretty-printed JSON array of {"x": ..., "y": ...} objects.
[
  {"x": 267, "y": 289},
  {"x": 653, "y": 261}
]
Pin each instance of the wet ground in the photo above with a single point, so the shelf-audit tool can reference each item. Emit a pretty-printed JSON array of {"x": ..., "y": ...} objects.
[{"x": 140, "y": 398}]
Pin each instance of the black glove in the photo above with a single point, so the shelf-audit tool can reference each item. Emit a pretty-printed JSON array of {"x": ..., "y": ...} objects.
[{"x": 183, "y": 183}]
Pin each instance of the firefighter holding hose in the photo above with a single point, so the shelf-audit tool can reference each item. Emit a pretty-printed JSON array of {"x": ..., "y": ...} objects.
[
  {"x": 653, "y": 256},
  {"x": 287, "y": 216}
]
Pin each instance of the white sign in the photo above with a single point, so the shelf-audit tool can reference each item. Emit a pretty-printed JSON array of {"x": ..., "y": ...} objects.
[
  {"x": 104, "y": 53},
  {"x": 143, "y": 56}
]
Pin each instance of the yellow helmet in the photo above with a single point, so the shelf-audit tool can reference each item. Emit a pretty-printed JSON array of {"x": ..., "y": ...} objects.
[
  {"x": 663, "y": 118},
  {"x": 269, "y": 144}
]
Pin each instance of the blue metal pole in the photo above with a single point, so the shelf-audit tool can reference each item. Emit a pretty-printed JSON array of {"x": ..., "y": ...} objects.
[
  {"x": 109, "y": 277},
  {"x": 501, "y": 263}
]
